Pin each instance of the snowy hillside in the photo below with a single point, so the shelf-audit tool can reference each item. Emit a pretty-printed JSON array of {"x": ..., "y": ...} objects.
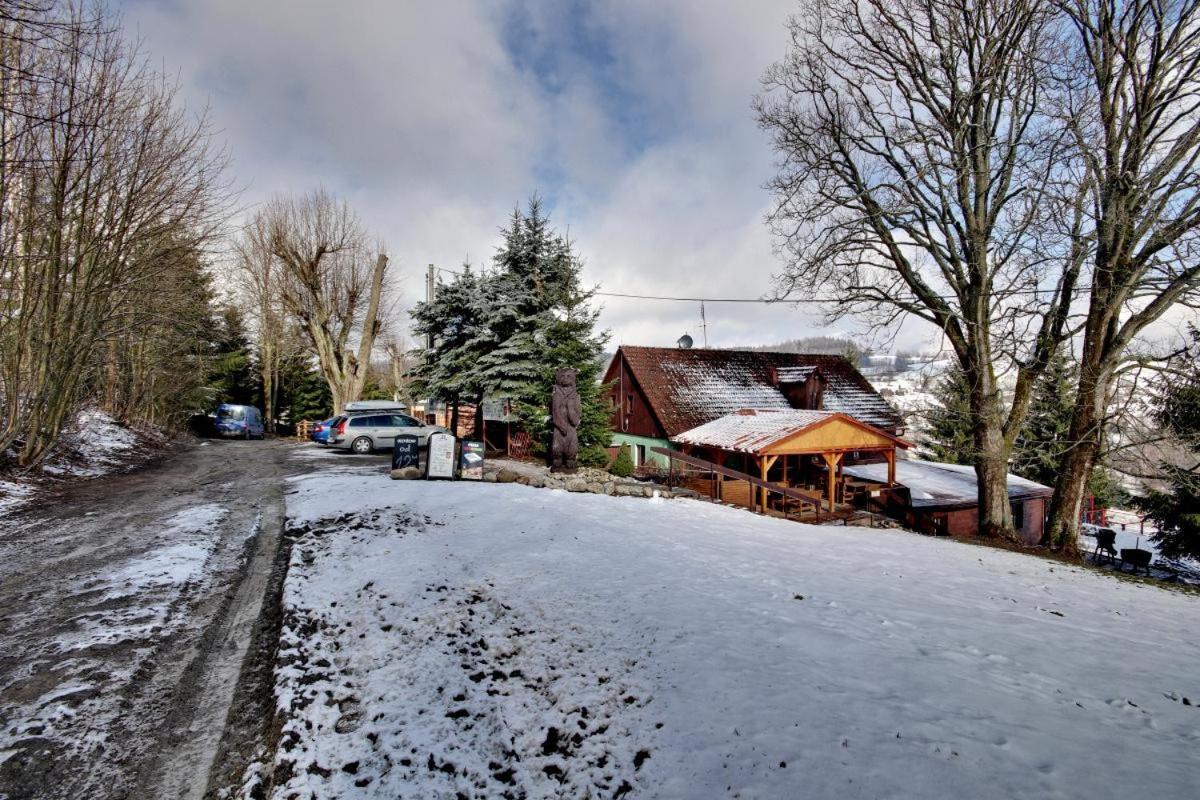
[
  {"x": 448, "y": 640},
  {"x": 92, "y": 446}
]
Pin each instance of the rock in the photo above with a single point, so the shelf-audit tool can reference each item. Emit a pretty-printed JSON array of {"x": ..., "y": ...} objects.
[
  {"x": 489, "y": 477},
  {"x": 537, "y": 481},
  {"x": 406, "y": 474},
  {"x": 523, "y": 480},
  {"x": 506, "y": 476},
  {"x": 577, "y": 485},
  {"x": 596, "y": 488}
]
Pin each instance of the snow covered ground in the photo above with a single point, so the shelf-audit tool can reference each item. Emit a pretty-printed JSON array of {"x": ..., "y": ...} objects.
[
  {"x": 480, "y": 640},
  {"x": 92, "y": 446}
]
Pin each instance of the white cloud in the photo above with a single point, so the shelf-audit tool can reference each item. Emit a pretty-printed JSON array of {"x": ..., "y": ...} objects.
[{"x": 434, "y": 119}]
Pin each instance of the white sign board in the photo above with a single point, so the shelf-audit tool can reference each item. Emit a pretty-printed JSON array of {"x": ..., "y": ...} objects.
[{"x": 441, "y": 456}]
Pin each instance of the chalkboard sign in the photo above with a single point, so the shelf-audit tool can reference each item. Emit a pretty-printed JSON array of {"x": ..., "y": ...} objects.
[
  {"x": 471, "y": 461},
  {"x": 441, "y": 456},
  {"x": 406, "y": 452}
]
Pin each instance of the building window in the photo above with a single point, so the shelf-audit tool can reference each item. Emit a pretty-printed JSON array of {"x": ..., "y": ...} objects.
[
  {"x": 629, "y": 404},
  {"x": 1018, "y": 515},
  {"x": 641, "y": 454}
]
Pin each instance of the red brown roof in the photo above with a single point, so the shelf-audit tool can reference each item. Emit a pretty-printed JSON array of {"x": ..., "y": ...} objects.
[{"x": 688, "y": 388}]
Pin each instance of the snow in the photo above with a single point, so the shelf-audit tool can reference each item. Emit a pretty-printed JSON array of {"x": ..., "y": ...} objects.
[
  {"x": 751, "y": 430},
  {"x": 92, "y": 446},
  {"x": 935, "y": 483},
  {"x": 716, "y": 653},
  {"x": 99, "y": 443},
  {"x": 134, "y": 603}
]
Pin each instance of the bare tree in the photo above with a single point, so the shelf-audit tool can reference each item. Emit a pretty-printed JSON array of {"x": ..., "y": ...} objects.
[
  {"x": 913, "y": 162},
  {"x": 106, "y": 185},
  {"x": 328, "y": 283},
  {"x": 261, "y": 280},
  {"x": 1130, "y": 97}
]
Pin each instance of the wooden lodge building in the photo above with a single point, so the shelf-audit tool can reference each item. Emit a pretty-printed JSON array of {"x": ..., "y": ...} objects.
[{"x": 810, "y": 424}]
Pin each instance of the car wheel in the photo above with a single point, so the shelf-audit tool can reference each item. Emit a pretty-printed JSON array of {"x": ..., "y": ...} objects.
[{"x": 361, "y": 445}]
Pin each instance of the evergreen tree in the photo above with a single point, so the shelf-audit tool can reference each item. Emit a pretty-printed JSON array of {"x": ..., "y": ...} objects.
[
  {"x": 542, "y": 319},
  {"x": 455, "y": 322},
  {"x": 1176, "y": 508},
  {"x": 504, "y": 334},
  {"x": 232, "y": 377},
  {"x": 1043, "y": 438},
  {"x": 948, "y": 432}
]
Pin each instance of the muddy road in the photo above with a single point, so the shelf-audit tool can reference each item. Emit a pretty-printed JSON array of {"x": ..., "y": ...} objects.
[{"x": 127, "y": 606}]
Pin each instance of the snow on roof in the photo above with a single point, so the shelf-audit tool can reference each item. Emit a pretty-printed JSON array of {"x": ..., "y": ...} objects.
[
  {"x": 795, "y": 374},
  {"x": 687, "y": 388},
  {"x": 750, "y": 430},
  {"x": 935, "y": 484}
]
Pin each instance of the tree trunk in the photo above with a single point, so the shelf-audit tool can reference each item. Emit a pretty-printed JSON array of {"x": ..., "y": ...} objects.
[
  {"x": 991, "y": 472},
  {"x": 454, "y": 416},
  {"x": 479, "y": 421},
  {"x": 1075, "y": 468}
]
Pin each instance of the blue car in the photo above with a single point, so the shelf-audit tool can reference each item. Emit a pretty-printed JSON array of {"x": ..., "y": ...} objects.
[
  {"x": 239, "y": 422},
  {"x": 320, "y": 431}
]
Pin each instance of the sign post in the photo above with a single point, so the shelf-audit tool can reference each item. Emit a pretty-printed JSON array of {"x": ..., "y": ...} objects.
[
  {"x": 406, "y": 458},
  {"x": 440, "y": 463}
]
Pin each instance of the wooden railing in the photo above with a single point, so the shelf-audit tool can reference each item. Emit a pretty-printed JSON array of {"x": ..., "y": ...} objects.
[{"x": 788, "y": 492}]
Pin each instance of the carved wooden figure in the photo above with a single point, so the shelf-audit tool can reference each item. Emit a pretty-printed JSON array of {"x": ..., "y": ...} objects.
[{"x": 565, "y": 414}]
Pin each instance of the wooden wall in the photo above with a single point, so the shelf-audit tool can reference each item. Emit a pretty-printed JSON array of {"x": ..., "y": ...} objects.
[{"x": 631, "y": 412}]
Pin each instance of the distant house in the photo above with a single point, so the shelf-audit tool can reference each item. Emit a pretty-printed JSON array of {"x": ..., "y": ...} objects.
[
  {"x": 943, "y": 499},
  {"x": 659, "y": 393}
]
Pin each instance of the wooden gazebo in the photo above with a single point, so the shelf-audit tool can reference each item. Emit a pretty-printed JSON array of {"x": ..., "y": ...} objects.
[{"x": 783, "y": 444}]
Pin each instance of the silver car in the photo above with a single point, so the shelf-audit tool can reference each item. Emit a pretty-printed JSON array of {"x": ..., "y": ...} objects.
[{"x": 367, "y": 432}]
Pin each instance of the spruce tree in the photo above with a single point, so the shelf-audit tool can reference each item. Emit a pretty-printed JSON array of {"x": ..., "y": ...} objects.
[
  {"x": 541, "y": 318},
  {"x": 948, "y": 424},
  {"x": 1043, "y": 438},
  {"x": 455, "y": 324},
  {"x": 1176, "y": 508}
]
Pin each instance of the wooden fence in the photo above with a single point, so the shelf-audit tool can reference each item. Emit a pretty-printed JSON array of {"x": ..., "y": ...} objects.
[{"x": 740, "y": 487}]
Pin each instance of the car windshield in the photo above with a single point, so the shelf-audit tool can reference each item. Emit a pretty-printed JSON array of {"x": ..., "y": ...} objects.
[{"x": 227, "y": 412}]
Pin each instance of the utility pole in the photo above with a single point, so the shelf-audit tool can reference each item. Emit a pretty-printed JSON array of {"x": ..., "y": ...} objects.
[
  {"x": 704, "y": 324},
  {"x": 429, "y": 291}
]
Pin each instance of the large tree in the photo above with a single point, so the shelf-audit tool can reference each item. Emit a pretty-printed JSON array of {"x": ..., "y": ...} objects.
[
  {"x": 503, "y": 333},
  {"x": 1175, "y": 504},
  {"x": 107, "y": 186},
  {"x": 331, "y": 280},
  {"x": 913, "y": 163},
  {"x": 1129, "y": 91}
]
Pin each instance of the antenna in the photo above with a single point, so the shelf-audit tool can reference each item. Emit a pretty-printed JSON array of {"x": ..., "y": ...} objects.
[{"x": 704, "y": 324}]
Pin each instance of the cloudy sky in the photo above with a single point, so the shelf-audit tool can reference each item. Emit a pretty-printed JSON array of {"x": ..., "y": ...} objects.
[{"x": 631, "y": 119}]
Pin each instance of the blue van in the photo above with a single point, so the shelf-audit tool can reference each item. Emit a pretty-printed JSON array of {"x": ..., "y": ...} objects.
[{"x": 242, "y": 422}]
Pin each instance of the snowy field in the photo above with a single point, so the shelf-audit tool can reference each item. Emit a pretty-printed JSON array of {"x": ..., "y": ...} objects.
[{"x": 479, "y": 640}]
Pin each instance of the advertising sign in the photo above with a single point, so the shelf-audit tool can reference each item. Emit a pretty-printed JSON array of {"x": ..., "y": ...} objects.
[
  {"x": 441, "y": 456},
  {"x": 406, "y": 452},
  {"x": 471, "y": 461}
]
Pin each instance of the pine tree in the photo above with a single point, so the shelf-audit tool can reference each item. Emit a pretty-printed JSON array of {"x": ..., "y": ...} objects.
[
  {"x": 1176, "y": 508},
  {"x": 455, "y": 322},
  {"x": 1043, "y": 438},
  {"x": 232, "y": 377},
  {"x": 948, "y": 432},
  {"x": 504, "y": 333}
]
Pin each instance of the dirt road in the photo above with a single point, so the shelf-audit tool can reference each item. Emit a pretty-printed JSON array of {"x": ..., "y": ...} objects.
[{"x": 126, "y": 611}]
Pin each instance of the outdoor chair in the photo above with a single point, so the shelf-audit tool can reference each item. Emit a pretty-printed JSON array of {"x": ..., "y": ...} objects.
[{"x": 1106, "y": 545}]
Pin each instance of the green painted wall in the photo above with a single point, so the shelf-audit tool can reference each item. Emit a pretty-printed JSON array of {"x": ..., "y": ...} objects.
[{"x": 653, "y": 459}]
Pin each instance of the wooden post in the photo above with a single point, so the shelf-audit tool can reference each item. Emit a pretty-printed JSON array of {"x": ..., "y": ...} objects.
[
  {"x": 890, "y": 455},
  {"x": 831, "y": 465},
  {"x": 765, "y": 463}
]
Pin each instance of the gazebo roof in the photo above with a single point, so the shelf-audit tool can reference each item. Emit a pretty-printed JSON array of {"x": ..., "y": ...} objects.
[{"x": 787, "y": 431}]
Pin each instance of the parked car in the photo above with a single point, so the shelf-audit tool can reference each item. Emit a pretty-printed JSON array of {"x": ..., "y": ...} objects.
[
  {"x": 320, "y": 430},
  {"x": 366, "y": 431},
  {"x": 234, "y": 421}
]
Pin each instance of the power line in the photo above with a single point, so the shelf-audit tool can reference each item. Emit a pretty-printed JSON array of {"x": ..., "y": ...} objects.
[{"x": 784, "y": 301}]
